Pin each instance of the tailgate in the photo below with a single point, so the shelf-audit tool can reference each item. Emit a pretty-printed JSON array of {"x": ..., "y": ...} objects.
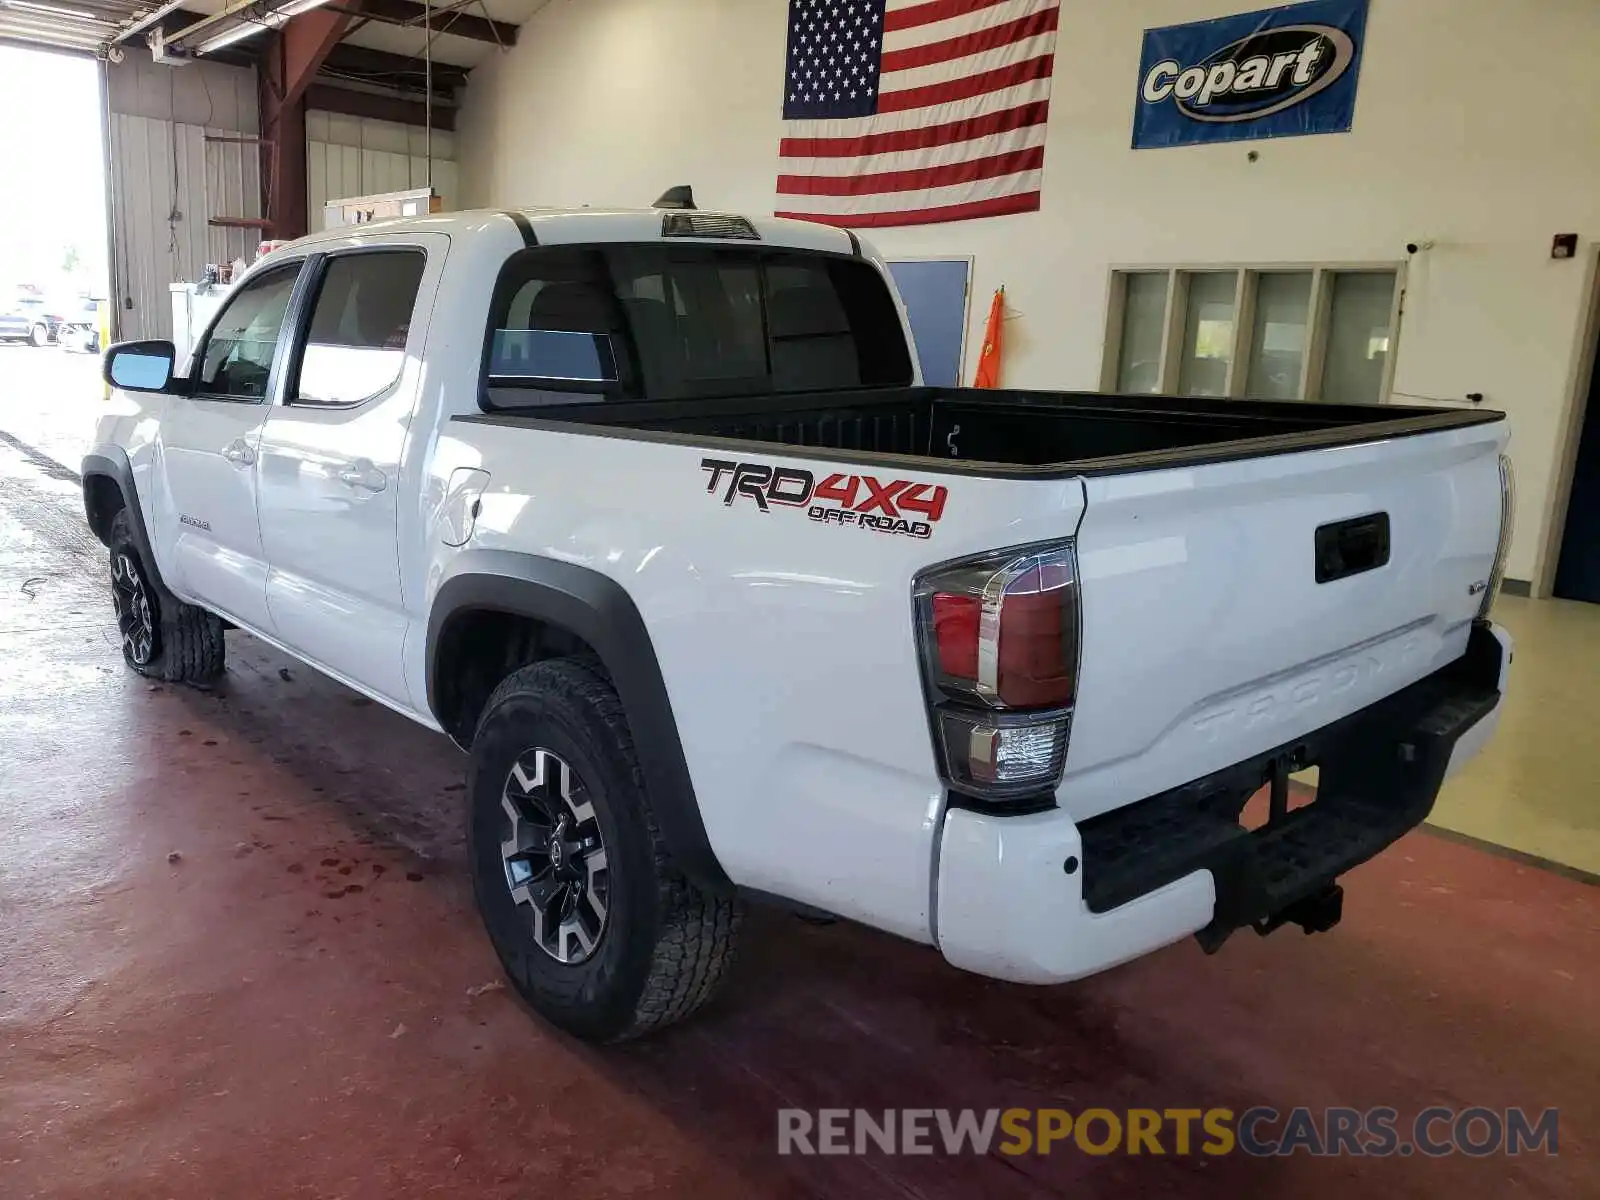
[{"x": 1207, "y": 636}]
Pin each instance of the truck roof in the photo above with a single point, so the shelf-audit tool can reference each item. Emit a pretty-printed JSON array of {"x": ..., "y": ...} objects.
[{"x": 566, "y": 226}]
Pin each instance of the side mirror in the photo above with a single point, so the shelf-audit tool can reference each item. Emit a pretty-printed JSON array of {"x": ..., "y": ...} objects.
[{"x": 140, "y": 366}]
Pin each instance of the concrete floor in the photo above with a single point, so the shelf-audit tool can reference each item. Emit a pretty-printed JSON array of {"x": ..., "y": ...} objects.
[
  {"x": 1535, "y": 787},
  {"x": 238, "y": 958}
]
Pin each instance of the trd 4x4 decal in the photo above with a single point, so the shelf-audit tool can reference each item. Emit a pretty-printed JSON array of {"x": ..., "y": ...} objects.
[{"x": 901, "y": 506}]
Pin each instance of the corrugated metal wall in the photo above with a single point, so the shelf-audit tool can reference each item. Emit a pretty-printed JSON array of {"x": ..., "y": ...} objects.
[
  {"x": 168, "y": 180},
  {"x": 171, "y": 181},
  {"x": 354, "y": 156}
]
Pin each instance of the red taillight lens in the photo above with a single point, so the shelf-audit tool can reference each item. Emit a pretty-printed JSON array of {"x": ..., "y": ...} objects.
[
  {"x": 1036, "y": 666},
  {"x": 955, "y": 634},
  {"x": 1003, "y": 628}
]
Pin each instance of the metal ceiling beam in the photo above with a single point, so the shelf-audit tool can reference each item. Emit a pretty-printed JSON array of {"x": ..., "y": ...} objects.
[
  {"x": 294, "y": 56},
  {"x": 392, "y": 70},
  {"x": 443, "y": 20},
  {"x": 300, "y": 49},
  {"x": 139, "y": 24},
  {"x": 326, "y": 98},
  {"x": 244, "y": 54},
  {"x": 190, "y": 35}
]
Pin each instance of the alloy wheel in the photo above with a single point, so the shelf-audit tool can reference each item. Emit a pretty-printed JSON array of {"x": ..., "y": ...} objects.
[
  {"x": 554, "y": 855},
  {"x": 135, "y": 617}
]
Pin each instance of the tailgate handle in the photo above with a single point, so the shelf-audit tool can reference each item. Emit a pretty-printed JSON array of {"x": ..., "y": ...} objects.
[{"x": 1347, "y": 548}]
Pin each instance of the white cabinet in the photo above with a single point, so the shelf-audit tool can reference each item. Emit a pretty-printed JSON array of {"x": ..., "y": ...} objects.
[{"x": 193, "y": 306}]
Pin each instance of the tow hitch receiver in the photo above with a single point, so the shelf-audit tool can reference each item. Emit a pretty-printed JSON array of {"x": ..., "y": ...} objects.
[{"x": 1316, "y": 913}]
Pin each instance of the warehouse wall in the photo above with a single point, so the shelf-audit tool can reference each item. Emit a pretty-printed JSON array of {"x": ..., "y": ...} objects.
[
  {"x": 356, "y": 156},
  {"x": 167, "y": 180},
  {"x": 1476, "y": 126}
]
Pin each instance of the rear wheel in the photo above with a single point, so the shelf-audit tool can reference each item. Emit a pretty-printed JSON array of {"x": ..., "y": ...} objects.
[
  {"x": 161, "y": 636},
  {"x": 595, "y": 925}
]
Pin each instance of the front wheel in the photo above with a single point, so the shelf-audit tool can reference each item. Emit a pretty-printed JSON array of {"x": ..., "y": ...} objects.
[
  {"x": 595, "y": 925},
  {"x": 39, "y": 335},
  {"x": 162, "y": 637}
]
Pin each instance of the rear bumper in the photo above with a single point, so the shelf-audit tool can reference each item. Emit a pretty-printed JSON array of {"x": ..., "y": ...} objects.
[{"x": 1043, "y": 899}]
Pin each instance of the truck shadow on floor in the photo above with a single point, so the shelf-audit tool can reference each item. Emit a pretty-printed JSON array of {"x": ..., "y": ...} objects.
[
  {"x": 844, "y": 1017},
  {"x": 833, "y": 1016}
]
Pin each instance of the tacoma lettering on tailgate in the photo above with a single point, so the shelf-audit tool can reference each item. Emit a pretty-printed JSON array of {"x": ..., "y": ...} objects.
[
  {"x": 1284, "y": 699},
  {"x": 901, "y": 506}
]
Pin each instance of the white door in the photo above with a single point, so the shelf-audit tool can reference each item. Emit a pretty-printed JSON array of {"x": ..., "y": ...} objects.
[
  {"x": 209, "y": 445},
  {"x": 331, "y": 455}
]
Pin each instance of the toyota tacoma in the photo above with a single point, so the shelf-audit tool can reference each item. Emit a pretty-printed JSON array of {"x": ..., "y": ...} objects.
[{"x": 651, "y": 514}]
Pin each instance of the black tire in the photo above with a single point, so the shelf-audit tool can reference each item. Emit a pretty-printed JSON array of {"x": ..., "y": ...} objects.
[
  {"x": 39, "y": 335},
  {"x": 162, "y": 637},
  {"x": 663, "y": 944}
]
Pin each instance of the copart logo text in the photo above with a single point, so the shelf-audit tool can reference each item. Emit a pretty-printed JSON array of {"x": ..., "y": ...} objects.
[
  {"x": 1255, "y": 76},
  {"x": 900, "y": 506}
]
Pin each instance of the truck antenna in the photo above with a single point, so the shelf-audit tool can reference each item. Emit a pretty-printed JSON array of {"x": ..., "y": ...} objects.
[{"x": 681, "y": 196}]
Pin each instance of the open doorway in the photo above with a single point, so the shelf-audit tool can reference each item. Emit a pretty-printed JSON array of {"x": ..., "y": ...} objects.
[
  {"x": 1578, "y": 567},
  {"x": 53, "y": 249}
]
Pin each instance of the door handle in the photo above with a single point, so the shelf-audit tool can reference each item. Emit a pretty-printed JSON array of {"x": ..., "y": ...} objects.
[
  {"x": 239, "y": 453},
  {"x": 367, "y": 478}
]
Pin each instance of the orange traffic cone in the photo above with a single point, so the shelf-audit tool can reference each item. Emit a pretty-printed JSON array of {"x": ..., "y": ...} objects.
[{"x": 988, "y": 375}]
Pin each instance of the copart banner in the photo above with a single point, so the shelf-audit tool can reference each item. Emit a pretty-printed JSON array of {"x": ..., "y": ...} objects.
[{"x": 1280, "y": 72}]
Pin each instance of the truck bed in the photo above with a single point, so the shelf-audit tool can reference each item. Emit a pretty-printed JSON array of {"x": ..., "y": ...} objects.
[{"x": 1011, "y": 431}]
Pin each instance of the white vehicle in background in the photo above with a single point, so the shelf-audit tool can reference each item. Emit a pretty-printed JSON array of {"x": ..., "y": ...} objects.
[
  {"x": 27, "y": 318},
  {"x": 80, "y": 329},
  {"x": 649, "y": 512}
]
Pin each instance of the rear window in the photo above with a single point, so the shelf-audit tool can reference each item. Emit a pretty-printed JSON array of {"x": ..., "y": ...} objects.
[{"x": 664, "y": 322}]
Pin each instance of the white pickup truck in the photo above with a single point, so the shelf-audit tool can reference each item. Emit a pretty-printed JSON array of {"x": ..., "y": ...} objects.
[{"x": 650, "y": 512}]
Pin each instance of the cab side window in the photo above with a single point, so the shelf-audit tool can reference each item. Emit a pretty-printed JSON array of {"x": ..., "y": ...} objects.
[
  {"x": 237, "y": 361},
  {"x": 557, "y": 331},
  {"x": 360, "y": 321}
]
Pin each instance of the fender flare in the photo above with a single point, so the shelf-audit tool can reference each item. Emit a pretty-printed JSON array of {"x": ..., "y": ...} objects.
[
  {"x": 111, "y": 462},
  {"x": 597, "y": 609}
]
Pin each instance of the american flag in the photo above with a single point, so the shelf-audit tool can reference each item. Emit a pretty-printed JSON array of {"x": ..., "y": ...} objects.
[{"x": 907, "y": 112}]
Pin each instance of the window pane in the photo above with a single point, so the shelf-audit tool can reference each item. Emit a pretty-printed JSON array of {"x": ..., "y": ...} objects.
[
  {"x": 555, "y": 354},
  {"x": 557, "y": 328},
  {"x": 829, "y": 325},
  {"x": 238, "y": 355},
  {"x": 698, "y": 323},
  {"x": 672, "y": 322},
  {"x": 357, "y": 343},
  {"x": 1358, "y": 337},
  {"x": 1207, "y": 334},
  {"x": 1144, "y": 312},
  {"x": 709, "y": 343},
  {"x": 1278, "y": 335},
  {"x": 876, "y": 335}
]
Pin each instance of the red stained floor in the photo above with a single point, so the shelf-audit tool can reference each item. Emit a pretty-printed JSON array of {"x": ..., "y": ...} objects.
[{"x": 238, "y": 958}]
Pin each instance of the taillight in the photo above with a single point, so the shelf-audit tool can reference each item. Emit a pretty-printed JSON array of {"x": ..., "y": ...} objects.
[{"x": 999, "y": 639}]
